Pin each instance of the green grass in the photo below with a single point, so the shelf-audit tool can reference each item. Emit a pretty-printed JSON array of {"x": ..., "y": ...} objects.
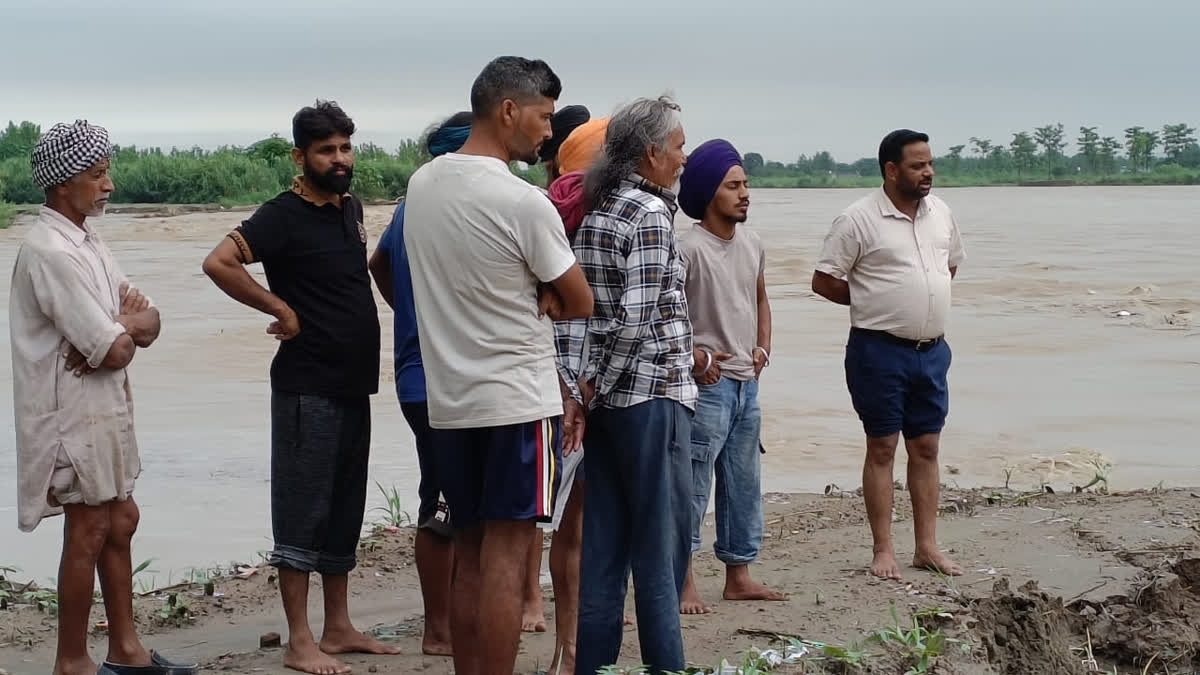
[
  {"x": 393, "y": 511},
  {"x": 8, "y": 212},
  {"x": 919, "y": 647}
]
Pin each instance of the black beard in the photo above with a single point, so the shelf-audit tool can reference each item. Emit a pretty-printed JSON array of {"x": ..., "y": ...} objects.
[
  {"x": 330, "y": 181},
  {"x": 912, "y": 192}
]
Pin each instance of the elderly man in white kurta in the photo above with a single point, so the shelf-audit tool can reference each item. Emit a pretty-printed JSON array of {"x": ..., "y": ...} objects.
[{"x": 76, "y": 324}]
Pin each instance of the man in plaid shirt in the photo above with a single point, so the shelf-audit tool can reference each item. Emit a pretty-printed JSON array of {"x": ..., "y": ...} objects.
[{"x": 637, "y": 379}]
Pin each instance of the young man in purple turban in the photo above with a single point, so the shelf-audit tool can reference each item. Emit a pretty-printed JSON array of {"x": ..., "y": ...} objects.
[{"x": 731, "y": 322}]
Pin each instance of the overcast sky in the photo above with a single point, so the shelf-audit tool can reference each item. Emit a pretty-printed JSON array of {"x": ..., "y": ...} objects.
[{"x": 781, "y": 78}]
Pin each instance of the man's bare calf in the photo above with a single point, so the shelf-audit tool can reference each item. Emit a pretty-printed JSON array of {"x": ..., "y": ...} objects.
[
  {"x": 489, "y": 566},
  {"x": 533, "y": 606},
  {"x": 434, "y": 555},
  {"x": 923, "y": 483},
  {"x": 878, "y": 488},
  {"x": 566, "y": 549},
  {"x": 97, "y": 537}
]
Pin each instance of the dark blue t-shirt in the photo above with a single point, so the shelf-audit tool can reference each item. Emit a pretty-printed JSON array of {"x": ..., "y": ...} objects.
[{"x": 410, "y": 373}]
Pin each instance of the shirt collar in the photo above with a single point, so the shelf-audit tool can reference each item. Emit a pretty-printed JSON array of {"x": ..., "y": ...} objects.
[
  {"x": 638, "y": 182},
  {"x": 301, "y": 188},
  {"x": 887, "y": 208},
  {"x": 61, "y": 224}
]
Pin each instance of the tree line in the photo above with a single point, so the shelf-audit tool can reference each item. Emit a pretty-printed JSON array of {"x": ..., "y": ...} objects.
[
  {"x": 1037, "y": 153},
  {"x": 234, "y": 175},
  {"x": 227, "y": 176}
]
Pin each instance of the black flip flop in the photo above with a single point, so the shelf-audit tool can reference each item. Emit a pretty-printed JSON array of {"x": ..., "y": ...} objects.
[{"x": 159, "y": 665}]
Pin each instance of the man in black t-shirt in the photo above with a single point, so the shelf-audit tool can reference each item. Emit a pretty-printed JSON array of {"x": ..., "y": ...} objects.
[{"x": 313, "y": 248}]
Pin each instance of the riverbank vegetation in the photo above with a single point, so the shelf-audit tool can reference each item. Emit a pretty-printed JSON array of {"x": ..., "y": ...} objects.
[
  {"x": 236, "y": 175},
  {"x": 1140, "y": 156}
]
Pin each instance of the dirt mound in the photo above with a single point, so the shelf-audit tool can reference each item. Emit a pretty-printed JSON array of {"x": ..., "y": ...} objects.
[
  {"x": 1024, "y": 633},
  {"x": 1157, "y": 619}
]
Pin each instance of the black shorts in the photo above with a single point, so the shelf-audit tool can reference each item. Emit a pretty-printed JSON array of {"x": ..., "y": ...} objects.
[
  {"x": 320, "y": 449},
  {"x": 433, "y": 512},
  {"x": 508, "y": 472}
]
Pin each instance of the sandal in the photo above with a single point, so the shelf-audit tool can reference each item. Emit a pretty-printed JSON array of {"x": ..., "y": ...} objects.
[{"x": 159, "y": 665}]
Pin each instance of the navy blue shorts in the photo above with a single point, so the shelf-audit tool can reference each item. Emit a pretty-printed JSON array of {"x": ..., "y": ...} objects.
[
  {"x": 500, "y": 473},
  {"x": 896, "y": 388},
  {"x": 433, "y": 512}
]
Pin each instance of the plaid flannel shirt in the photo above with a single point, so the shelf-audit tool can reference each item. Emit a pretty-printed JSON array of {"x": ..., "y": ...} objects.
[
  {"x": 569, "y": 341},
  {"x": 638, "y": 342}
]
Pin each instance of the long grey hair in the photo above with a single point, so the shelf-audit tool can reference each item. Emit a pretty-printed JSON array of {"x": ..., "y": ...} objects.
[{"x": 632, "y": 131}]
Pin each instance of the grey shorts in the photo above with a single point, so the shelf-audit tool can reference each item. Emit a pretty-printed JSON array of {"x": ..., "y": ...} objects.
[
  {"x": 572, "y": 469},
  {"x": 319, "y": 453}
]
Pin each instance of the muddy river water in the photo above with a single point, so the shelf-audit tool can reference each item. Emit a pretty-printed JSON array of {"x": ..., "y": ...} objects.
[{"x": 1075, "y": 329}]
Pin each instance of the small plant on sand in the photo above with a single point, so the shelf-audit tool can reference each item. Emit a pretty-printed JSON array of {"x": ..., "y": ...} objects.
[
  {"x": 6, "y": 587},
  {"x": 144, "y": 586},
  {"x": 45, "y": 599},
  {"x": 919, "y": 647},
  {"x": 204, "y": 577},
  {"x": 833, "y": 658},
  {"x": 1102, "y": 469},
  {"x": 393, "y": 511},
  {"x": 952, "y": 588},
  {"x": 175, "y": 611}
]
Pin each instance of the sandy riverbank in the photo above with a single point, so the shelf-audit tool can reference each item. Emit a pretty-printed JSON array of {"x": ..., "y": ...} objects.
[{"x": 1124, "y": 568}]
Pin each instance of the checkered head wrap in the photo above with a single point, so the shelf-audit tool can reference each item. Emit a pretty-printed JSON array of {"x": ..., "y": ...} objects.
[{"x": 68, "y": 150}]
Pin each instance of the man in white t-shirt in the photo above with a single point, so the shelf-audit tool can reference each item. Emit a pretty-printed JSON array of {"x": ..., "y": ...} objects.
[{"x": 487, "y": 252}]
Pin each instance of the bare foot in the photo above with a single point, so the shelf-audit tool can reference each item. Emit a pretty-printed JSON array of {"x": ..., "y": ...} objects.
[
  {"x": 84, "y": 666},
  {"x": 627, "y": 621},
  {"x": 134, "y": 655},
  {"x": 309, "y": 659},
  {"x": 431, "y": 646},
  {"x": 689, "y": 599},
  {"x": 533, "y": 622},
  {"x": 884, "y": 565},
  {"x": 936, "y": 561},
  {"x": 436, "y": 639},
  {"x": 753, "y": 591},
  {"x": 690, "y": 602},
  {"x": 354, "y": 642},
  {"x": 739, "y": 585}
]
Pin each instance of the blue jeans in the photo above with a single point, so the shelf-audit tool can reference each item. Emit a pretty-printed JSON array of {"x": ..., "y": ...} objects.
[
  {"x": 725, "y": 436},
  {"x": 637, "y": 516}
]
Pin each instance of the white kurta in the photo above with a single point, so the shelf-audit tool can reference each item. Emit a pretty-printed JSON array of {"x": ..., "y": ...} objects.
[{"x": 66, "y": 291}]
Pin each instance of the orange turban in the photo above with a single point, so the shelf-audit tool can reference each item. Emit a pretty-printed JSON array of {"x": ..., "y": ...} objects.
[{"x": 581, "y": 147}]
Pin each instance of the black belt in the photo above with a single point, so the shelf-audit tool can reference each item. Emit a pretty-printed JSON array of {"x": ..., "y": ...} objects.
[{"x": 918, "y": 345}]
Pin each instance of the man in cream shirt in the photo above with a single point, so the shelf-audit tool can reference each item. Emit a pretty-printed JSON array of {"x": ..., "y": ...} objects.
[
  {"x": 891, "y": 257},
  {"x": 76, "y": 324}
]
